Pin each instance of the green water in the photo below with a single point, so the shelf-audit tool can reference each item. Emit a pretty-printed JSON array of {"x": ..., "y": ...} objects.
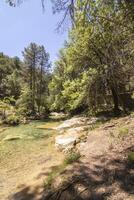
[
  {"x": 28, "y": 131},
  {"x": 34, "y": 141}
]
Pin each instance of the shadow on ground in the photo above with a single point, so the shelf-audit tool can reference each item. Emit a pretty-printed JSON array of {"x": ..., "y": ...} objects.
[{"x": 103, "y": 177}]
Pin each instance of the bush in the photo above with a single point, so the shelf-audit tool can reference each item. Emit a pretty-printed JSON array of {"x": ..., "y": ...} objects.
[
  {"x": 123, "y": 132},
  {"x": 131, "y": 157},
  {"x": 73, "y": 157},
  {"x": 12, "y": 120},
  {"x": 48, "y": 182},
  {"x": 132, "y": 114}
]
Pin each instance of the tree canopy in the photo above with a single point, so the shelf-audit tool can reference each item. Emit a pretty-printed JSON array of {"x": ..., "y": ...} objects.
[{"x": 94, "y": 71}]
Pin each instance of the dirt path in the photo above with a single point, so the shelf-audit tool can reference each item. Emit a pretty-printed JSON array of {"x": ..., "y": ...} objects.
[
  {"x": 31, "y": 174},
  {"x": 104, "y": 173}
]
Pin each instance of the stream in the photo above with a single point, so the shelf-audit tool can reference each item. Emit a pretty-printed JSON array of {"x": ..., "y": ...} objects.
[{"x": 27, "y": 154}]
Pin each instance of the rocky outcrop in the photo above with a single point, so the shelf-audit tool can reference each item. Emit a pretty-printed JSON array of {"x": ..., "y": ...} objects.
[
  {"x": 76, "y": 122},
  {"x": 72, "y": 132}
]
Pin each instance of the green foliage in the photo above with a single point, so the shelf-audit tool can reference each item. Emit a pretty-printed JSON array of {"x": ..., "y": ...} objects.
[
  {"x": 36, "y": 76},
  {"x": 95, "y": 60},
  {"x": 94, "y": 70},
  {"x": 131, "y": 157},
  {"x": 132, "y": 114},
  {"x": 9, "y": 76},
  {"x": 12, "y": 120},
  {"x": 71, "y": 158},
  {"x": 123, "y": 132},
  {"x": 49, "y": 180},
  {"x": 24, "y": 85}
]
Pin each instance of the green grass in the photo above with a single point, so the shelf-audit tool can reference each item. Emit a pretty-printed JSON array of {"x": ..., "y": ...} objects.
[
  {"x": 73, "y": 157},
  {"x": 56, "y": 171},
  {"x": 123, "y": 132}
]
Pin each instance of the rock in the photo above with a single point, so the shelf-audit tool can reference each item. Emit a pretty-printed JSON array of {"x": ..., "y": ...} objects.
[
  {"x": 12, "y": 137},
  {"x": 57, "y": 114},
  {"x": 76, "y": 130},
  {"x": 71, "y": 132},
  {"x": 65, "y": 142},
  {"x": 92, "y": 120},
  {"x": 73, "y": 122}
]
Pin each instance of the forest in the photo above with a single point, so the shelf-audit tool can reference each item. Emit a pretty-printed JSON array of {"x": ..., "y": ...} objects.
[
  {"x": 92, "y": 76},
  {"x": 94, "y": 71}
]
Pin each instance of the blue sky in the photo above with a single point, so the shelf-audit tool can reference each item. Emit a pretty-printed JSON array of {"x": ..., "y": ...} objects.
[{"x": 27, "y": 23}]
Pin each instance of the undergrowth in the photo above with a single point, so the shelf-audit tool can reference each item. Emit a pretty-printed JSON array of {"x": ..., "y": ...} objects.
[
  {"x": 123, "y": 132},
  {"x": 69, "y": 159},
  {"x": 131, "y": 157}
]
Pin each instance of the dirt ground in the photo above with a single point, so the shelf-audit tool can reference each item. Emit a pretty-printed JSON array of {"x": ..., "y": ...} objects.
[{"x": 104, "y": 172}]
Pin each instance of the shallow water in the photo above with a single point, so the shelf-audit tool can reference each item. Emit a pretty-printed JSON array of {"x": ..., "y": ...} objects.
[{"x": 22, "y": 159}]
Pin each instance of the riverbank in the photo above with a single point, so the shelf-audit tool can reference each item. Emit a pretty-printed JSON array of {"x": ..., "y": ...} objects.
[
  {"x": 27, "y": 154},
  {"x": 40, "y": 171}
]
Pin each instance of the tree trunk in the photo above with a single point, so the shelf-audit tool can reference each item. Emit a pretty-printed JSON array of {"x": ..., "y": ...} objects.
[{"x": 115, "y": 101}]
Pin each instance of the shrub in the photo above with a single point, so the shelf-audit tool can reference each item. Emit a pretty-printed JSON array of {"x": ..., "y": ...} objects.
[
  {"x": 123, "y": 132},
  {"x": 131, "y": 157},
  {"x": 72, "y": 157},
  {"x": 49, "y": 181},
  {"x": 132, "y": 114},
  {"x": 12, "y": 120}
]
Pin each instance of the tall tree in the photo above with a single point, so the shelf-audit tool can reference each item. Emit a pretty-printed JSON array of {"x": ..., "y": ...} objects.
[
  {"x": 36, "y": 66},
  {"x": 31, "y": 60}
]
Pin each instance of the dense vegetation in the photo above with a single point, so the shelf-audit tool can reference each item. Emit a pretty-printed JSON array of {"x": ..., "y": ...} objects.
[
  {"x": 95, "y": 68},
  {"x": 24, "y": 85},
  {"x": 94, "y": 71}
]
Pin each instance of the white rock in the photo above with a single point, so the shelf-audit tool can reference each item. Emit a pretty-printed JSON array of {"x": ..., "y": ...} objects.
[
  {"x": 75, "y": 121},
  {"x": 65, "y": 141},
  {"x": 61, "y": 114}
]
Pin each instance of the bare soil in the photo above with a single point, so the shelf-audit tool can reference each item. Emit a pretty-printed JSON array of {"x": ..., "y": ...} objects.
[{"x": 104, "y": 172}]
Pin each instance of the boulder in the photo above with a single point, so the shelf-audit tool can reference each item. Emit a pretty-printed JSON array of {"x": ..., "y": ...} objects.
[
  {"x": 72, "y": 131},
  {"x": 73, "y": 122},
  {"x": 76, "y": 122},
  {"x": 65, "y": 142},
  {"x": 57, "y": 114}
]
